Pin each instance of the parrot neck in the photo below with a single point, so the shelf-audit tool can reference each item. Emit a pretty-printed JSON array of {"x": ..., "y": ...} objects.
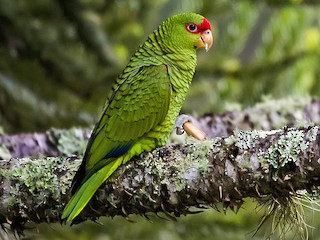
[
  {"x": 160, "y": 43},
  {"x": 180, "y": 62},
  {"x": 181, "y": 69}
]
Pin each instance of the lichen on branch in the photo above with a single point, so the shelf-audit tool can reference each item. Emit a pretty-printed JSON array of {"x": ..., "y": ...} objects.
[
  {"x": 170, "y": 179},
  {"x": 271, "y": 166}
]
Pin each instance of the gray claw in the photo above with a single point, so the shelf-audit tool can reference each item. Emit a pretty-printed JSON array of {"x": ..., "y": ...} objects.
[
  {"x": 182, "y": 119},
  {"x": 179, "y": 130}
]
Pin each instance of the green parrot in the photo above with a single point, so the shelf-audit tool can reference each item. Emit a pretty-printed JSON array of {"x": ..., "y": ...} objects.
[{"x": 145, "y": 101}]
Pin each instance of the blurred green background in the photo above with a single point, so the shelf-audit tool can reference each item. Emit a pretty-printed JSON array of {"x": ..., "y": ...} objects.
[{"x": 59, "y": 58}]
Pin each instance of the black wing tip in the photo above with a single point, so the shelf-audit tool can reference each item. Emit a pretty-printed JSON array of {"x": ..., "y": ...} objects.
[{"x": 78, "y": 178}]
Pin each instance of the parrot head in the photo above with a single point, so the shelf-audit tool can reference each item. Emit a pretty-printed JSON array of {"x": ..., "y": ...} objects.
[{"x": 189, "y": 31}]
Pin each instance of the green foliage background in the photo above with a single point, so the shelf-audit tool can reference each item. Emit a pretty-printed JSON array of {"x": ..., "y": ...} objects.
[{"x": 59, "y": 58}]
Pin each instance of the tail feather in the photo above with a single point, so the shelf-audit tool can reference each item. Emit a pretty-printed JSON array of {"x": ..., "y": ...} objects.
[
  {"x": 78, "y": 178},
  {"x": 87, "y": 190}
]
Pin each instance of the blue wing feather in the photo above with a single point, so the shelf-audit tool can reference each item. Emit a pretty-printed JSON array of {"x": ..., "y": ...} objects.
[{"x": 118, "y": 151}]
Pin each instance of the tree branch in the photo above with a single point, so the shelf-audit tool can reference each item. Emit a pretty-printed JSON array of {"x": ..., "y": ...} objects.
[
  {"x": 268, "y": 115},
  {"x": 259, "y": 164}
]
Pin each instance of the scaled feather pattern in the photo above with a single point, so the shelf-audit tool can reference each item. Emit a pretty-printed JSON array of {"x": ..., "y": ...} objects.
[{"x": 144, "y": 102}]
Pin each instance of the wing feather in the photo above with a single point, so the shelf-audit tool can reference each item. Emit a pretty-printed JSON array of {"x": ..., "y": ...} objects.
[{"x": 137, "y": 106}]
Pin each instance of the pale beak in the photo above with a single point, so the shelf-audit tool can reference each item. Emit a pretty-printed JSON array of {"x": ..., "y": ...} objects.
[{"x": 205, "y": 41}]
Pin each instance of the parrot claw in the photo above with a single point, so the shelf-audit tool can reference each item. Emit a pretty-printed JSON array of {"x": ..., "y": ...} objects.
[
  {"x": 184, "y": 124},
  {"x": 181, "y": 120},
  {"x": 179, "y": 130}
]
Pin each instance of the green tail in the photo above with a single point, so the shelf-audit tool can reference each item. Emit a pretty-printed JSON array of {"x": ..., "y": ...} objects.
[{"x": 87, "y": 190}]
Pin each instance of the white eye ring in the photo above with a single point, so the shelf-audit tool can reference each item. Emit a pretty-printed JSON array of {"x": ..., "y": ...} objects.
[{"x": 192, "y": 27}]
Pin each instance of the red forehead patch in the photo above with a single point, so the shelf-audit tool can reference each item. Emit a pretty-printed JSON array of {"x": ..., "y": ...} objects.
[
  {"x": 199, "y": 28},
  {"x": 205, "y": 25}
]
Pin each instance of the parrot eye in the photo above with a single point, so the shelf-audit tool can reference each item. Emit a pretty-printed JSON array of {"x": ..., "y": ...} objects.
[{"x": 192, "y": 28}]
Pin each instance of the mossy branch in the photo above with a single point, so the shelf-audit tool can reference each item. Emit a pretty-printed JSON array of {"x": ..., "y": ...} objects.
[
  {"x": 259, "y": 164},
  {"x": 267, "y": 115}
]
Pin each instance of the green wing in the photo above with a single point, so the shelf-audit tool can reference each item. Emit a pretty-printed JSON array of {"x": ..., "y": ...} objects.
[{"x": 139, "y": 104}]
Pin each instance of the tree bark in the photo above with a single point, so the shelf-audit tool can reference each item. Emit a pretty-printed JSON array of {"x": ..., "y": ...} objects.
[
  {"x": 264, "y": 165},
  {"x": 268, "y": 115}
]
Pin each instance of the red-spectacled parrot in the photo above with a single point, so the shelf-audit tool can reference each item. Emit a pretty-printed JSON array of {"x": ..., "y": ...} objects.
[{"x": 144, "y": 103}]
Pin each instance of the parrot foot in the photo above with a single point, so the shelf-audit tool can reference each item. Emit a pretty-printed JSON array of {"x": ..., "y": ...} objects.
[
  {"x": 184, "y": 124},
  {"x": 181, "y": 120}
]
